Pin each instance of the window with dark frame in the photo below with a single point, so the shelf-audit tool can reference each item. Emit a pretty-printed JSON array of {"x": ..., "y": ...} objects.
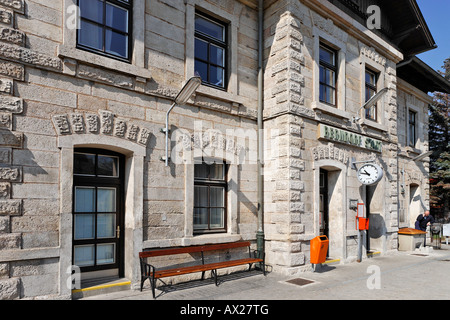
[
  {"x": 210, "y": 197},
  {"x": 105, "y": 27},
  {"x": 211, "y": 50},
  {"x": 328, "y": 75},
  {"x": 412, "y": 128},
  {"x": 371, "y": 89}
]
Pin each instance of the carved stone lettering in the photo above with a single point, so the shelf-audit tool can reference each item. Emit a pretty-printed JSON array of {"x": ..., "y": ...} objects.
[
  {"x": 77, "y": 123},
  {"x": 106, "y": 122},
  {"x": 144, "y": 136},
  {"x": 92, "y": 123},
  {"x": 120, "y": 128},
  {"x": 133, "y": 133},
  {"x": 62, "y": 124}
]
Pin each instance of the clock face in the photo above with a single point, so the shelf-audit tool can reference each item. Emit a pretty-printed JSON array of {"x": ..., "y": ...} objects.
[{"x": 370, "y": 174}]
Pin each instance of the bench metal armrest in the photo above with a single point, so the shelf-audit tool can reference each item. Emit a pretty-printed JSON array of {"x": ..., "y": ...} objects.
[
  {"x": 256, "y": 255},
  {"x": 147, "y": 269}
]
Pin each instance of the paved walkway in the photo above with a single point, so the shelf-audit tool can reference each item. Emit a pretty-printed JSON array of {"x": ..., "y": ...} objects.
[{"x": 397, "y": 276}]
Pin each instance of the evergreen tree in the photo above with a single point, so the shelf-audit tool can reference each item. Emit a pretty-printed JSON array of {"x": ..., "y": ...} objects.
[{"x": 439, "y": 138}]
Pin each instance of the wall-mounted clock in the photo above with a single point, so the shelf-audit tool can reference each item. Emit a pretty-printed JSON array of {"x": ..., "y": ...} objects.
[{"x": 370, "y": 174}]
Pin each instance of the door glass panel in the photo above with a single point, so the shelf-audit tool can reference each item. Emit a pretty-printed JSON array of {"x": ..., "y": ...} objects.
[
  {"x": 84, "y": 199},
  {"x": 106, "y": 253},
  {"x": 84, "y": 256},
  {"x": 106, "y": 226},
  {"x": 108, "y": 166},
  {"x": 84, "y": 164},
  {"x": 84, "y": 226},
  {"x": 106, "y": 198}
]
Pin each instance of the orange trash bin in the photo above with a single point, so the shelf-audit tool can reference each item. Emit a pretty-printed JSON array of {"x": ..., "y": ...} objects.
[{"x": 319, "y": 248}]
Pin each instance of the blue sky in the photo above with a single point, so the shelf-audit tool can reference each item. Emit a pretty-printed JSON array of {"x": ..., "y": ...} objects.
[{"x": 437, "y": 16}]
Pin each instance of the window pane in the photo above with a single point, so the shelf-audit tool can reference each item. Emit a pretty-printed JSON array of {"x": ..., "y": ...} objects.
[
  {"x": 84, "y": 199},
  {"x": 116, "y": 18},
  {"x": 106, "y": 253},
  {"x": 106, "y": 226},
  {"x": 84, "y": 226},
  {"x": 91, "y": 35},
  {"x": 200, "y": 218},
  {"x": 84, "y": 164},
  {"x": 217, "y": 197},
  {"x": 201, "y": 171},
  {"x": 116, "y": 43},
  {"x": 201, "y": 50},
  {"x": 200, "y": 196},
  {"x": 327, "y": 56},
  {"x": 217, "y": 218},
  {"x": 201, "y": 69},
  {"x": 108, "y": 166},
  {"x": 92, "y": 10},
  {"x": 216, "y": 172},
  {"x": 330, "y": 77},
  {"x": 217, "y": 56},
  {"x": 371, "y": 113},
  {"x": 106, "y": 200},
  {"x": 330, "y": 95},
  {"x": 210, "y": 28},
  {"x": 84, "y": 256},
  {"x": 217, "y": 76}
]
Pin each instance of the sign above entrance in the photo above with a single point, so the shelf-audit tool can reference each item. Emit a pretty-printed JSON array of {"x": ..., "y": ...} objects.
[{"x": 351, "y": 138}]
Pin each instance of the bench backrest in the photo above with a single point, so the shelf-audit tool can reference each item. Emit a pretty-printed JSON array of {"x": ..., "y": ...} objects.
[{"x": 193, "y": 249}]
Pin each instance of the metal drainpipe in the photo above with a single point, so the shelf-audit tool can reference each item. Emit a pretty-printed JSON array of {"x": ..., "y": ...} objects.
[{"x": 260, "y": 231}]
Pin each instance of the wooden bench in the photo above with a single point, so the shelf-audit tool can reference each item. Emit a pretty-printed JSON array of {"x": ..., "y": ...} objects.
[{"x": 152, "y": 273}]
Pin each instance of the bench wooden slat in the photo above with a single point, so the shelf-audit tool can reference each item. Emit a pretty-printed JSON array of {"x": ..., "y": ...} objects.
[
  {"x": 193, "y": 249},
  {"x": 206, "y": 267},
  {"x": 170, "y": 251}
]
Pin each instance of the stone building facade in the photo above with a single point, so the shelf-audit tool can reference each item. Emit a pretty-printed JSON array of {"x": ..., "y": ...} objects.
[{"x": 69, "y": 104}]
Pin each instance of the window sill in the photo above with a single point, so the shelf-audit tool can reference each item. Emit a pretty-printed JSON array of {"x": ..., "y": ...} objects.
[
  {"x": 102, "y": 61},
  {"x": 374, "y": 125},
  {"x": 322, "y": 107},
  {"x": 221, "y": 94}
]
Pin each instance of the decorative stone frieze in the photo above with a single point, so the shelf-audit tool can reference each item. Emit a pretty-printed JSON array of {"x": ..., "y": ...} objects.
[
  {"x": 6, "y": 86},
  {"x": 13, "y": 70},
  {"x": 11, "y": 104},
  {"x": 12, "y": 35},
  {"x": 103, "y": 123},
  {"x": 373, "y": 55},
  {"x": 28, "y": 56},
  {"x": 10, "y": 207},
  {"x": 6, "y": 16},
  {"x": 11, "y": 139},
  {"x": 16, "y": 5},
  {"x": 330, "y": 152},
  {"x": 11, "y": 174}
]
